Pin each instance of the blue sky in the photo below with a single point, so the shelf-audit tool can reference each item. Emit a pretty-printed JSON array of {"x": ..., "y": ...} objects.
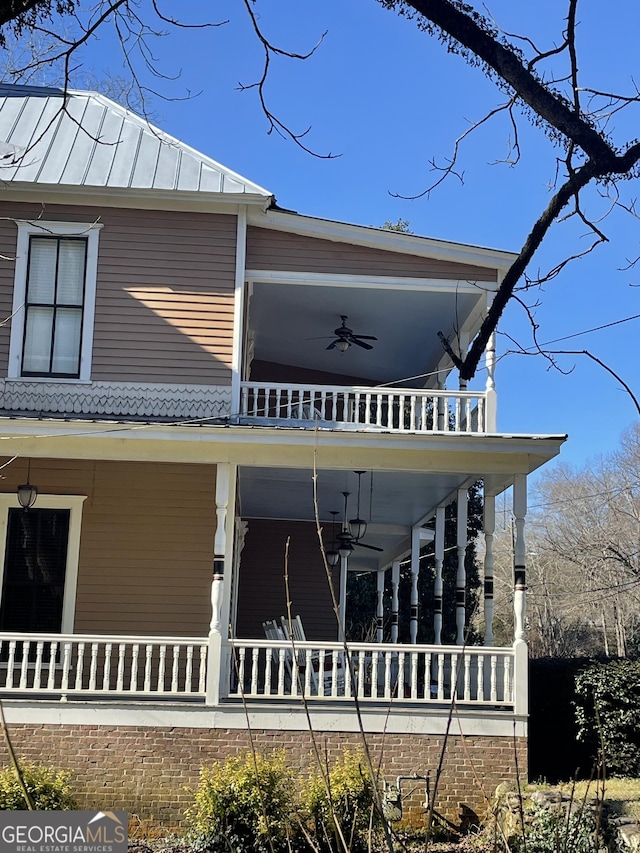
[{"x": 389, "y": 99}]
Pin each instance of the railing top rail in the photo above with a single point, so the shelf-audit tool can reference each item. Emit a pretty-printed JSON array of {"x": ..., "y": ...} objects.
[
  {"x": 102, "y": 638},
  {"x": 364, "y": 389},
  {"x": 329, "y": 646}
]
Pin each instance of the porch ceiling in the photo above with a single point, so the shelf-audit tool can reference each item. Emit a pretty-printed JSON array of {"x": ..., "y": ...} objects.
[
  {"x": 399, "y": 501},
  {"x": 293, "y": 324}
]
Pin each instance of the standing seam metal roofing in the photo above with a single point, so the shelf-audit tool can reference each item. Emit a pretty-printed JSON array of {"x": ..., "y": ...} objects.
[{"x": 78, "y": 138}]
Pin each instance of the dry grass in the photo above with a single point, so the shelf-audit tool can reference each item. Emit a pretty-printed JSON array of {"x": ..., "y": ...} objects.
[{"x": 621, "y": 795}]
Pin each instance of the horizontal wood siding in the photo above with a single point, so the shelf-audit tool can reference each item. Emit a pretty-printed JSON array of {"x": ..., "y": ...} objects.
[
  {"x": 165, "y": 296},
  {"x": 261, "y": 588},
  {"x": 276, "y": 250},
  {"x": 146, "y": 548}
]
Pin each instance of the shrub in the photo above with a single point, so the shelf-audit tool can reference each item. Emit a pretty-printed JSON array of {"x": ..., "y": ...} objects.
[
  {"x": 608, "y": 713},
  {"x": 352, "y": 803},
  {"x": 49, "y": 788},
  {"x": 243, "y": 804}
]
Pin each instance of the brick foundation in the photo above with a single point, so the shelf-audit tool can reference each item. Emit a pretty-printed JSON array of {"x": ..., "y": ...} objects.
[{"x": 146, "y": 770}]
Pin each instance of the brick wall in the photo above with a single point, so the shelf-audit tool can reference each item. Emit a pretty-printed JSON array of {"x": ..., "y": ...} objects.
[{"x": 146, "y": 770}]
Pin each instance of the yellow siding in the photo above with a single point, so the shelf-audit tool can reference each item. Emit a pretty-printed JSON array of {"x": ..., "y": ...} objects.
[
  {"x": 146, "y": 548},
  {"x": 164, "y": 304},
  {"x": 276, "y": 250}
]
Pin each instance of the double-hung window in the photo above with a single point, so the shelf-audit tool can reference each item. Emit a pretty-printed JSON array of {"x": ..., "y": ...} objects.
[{"x": 54, "y": 298}]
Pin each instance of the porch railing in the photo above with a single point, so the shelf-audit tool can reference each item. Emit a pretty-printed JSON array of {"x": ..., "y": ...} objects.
[
  {"x": 477, "y": 675},
  {"x": 74, "y": 664},
  {"x": 395, "y": 409}
]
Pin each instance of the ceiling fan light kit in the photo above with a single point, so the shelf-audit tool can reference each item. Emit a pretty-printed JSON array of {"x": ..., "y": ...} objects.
[{"x": 345, "y": 337}]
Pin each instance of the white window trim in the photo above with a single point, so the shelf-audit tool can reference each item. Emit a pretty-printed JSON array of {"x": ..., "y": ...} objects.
[
  {"x": 74, "y": 504},
  {"x": 27, "y": 229}
]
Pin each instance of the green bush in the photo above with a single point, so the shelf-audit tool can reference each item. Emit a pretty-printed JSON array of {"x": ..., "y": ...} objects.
[
  {"x": 244, "y": 804},
  {"x": 49, "y": 788},
  {"x": 608, "y": 713},
  {"x": 352, "y": 804}
]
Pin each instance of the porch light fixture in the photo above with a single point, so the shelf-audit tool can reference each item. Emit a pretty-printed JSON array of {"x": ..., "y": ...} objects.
[
  {"x": 358, "y": 526},
  {"x": 343, "y": 345},
  {"x": 345, "y": 546},
  {"x": 27, "y": 493}
]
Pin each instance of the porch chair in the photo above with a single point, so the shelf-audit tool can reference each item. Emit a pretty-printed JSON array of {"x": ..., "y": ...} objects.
[
  {"x": 273, "y": 631},
  {"x": 317, "y": 665}
]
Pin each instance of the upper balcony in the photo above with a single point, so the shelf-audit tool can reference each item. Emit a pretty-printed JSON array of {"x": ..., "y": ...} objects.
[{"x": 366, "y": 408}]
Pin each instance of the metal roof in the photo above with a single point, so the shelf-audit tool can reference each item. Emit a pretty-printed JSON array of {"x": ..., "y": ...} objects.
[{"x": 83, "y": 139}]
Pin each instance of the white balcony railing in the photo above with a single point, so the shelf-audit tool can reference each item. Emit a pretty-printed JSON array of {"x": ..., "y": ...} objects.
[
  {"x": 394, "y": 409},
  {"x": 476, "y": 675},
  {"x": 76, "y": 664}
]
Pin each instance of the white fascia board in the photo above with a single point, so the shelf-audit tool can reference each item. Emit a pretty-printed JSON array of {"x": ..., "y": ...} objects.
[
  {"x": 179, "y": 200},
  {"x": 329, "y": 717},
  {"x": 379, "y": 238},
  {"x": 377, "y": 282}
]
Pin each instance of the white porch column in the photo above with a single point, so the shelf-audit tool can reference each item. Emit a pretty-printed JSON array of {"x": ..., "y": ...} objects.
[
  {"x": 519, "y": 594},
  {"x": 415, "y": 568},
  {"x": 217, "y": 675},
  {"x": 395, "y": 583},
  {"x": 491, "y": 406},
  {"x": 380, "y": 608},
  {"x": 489, "y": 528},
  {"x": 463, "y": 343},
  {"x": 461, "y": 575},
  {"x": 437, "y": 584},
  {"x": 344, "y": 568},
  {"x": 519, "y": 561}
]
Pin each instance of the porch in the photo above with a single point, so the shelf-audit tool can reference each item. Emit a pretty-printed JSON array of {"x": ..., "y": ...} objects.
[{"x": 86, "y": 667}]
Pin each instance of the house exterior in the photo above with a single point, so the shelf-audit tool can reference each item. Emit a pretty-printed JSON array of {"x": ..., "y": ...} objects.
[{"x": 202, "y": 386}]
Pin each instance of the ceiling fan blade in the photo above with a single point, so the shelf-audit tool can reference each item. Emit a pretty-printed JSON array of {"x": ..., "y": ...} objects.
[
  {"x": 370, "y": 547},
  {"x": 360, "y": 343},
  {"x": 332, "y": 345},
  {"x": 365, "y": 337}
]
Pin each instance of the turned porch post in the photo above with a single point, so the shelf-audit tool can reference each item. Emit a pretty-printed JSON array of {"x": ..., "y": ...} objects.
[
  {"x": 519, "y": 594},
  {"x": 489, "y": 529},
  {"x": 437, "y": 583},
  {"x": 395, "y": 583},
  {"x": 380, "y": 608},
  {"x": 461, "y": 575},
  {"x": 415, "y": 568},
  {"x": 491, "y": 397},
  {"x": 217, "y": 658}
]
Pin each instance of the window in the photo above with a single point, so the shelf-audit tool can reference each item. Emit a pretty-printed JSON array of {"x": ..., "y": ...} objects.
[
  {"x": 39, "y": 564},
  {"x": 54, "y": 300}
]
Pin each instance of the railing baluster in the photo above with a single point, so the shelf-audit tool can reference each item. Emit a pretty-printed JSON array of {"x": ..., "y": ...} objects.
[
  {"x": 106, "y": 669},
  {"x": 93, "y": 667},
  {"x": 161, "y": 668},
  {"x": 334, "y": 674},
  {"x": 281, "y": 666},
  {"x": 37, "y": 675},
  {"x": 254, "y": 672},
  {"x": 361, "y": 674},
  {"x": 467, "y": 678},
  {"x": 440, "y": 677},
  {"x": 79, "y": 665},
  {"x": 202, "y": 675},
  {"x": 267, "y": 671},
  {"x": 10, "y": 663},
  {"x": 412, "y": 413},
  {"x": 66, "y": 666},
  {"x": 400, "y": 679},
  {"x": 480, "y": 693},
  {"x": 454, "y": 676},
  {"x": 122, "y": 650},
  {"x": 375, "y": 656},
  {"x": 25, "y": 663},
  {"x": 148, "y": 662},
  {"x": 414, "y": 675},
  {"x": 308, "y": 665},
  {"x": 53, "y": 651},
  {"x": 175, "y": 669},
  {"x": 508, "y": 684},
  {"x": 133, "y": 677},
  {"x": 494, "y": 680},
  {"x": 427, "y": 676},
  {"x": 188, "y": 670}
]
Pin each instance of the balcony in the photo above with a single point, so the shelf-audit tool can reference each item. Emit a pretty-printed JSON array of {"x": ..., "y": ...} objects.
[{"x": 399, "y": 410}]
